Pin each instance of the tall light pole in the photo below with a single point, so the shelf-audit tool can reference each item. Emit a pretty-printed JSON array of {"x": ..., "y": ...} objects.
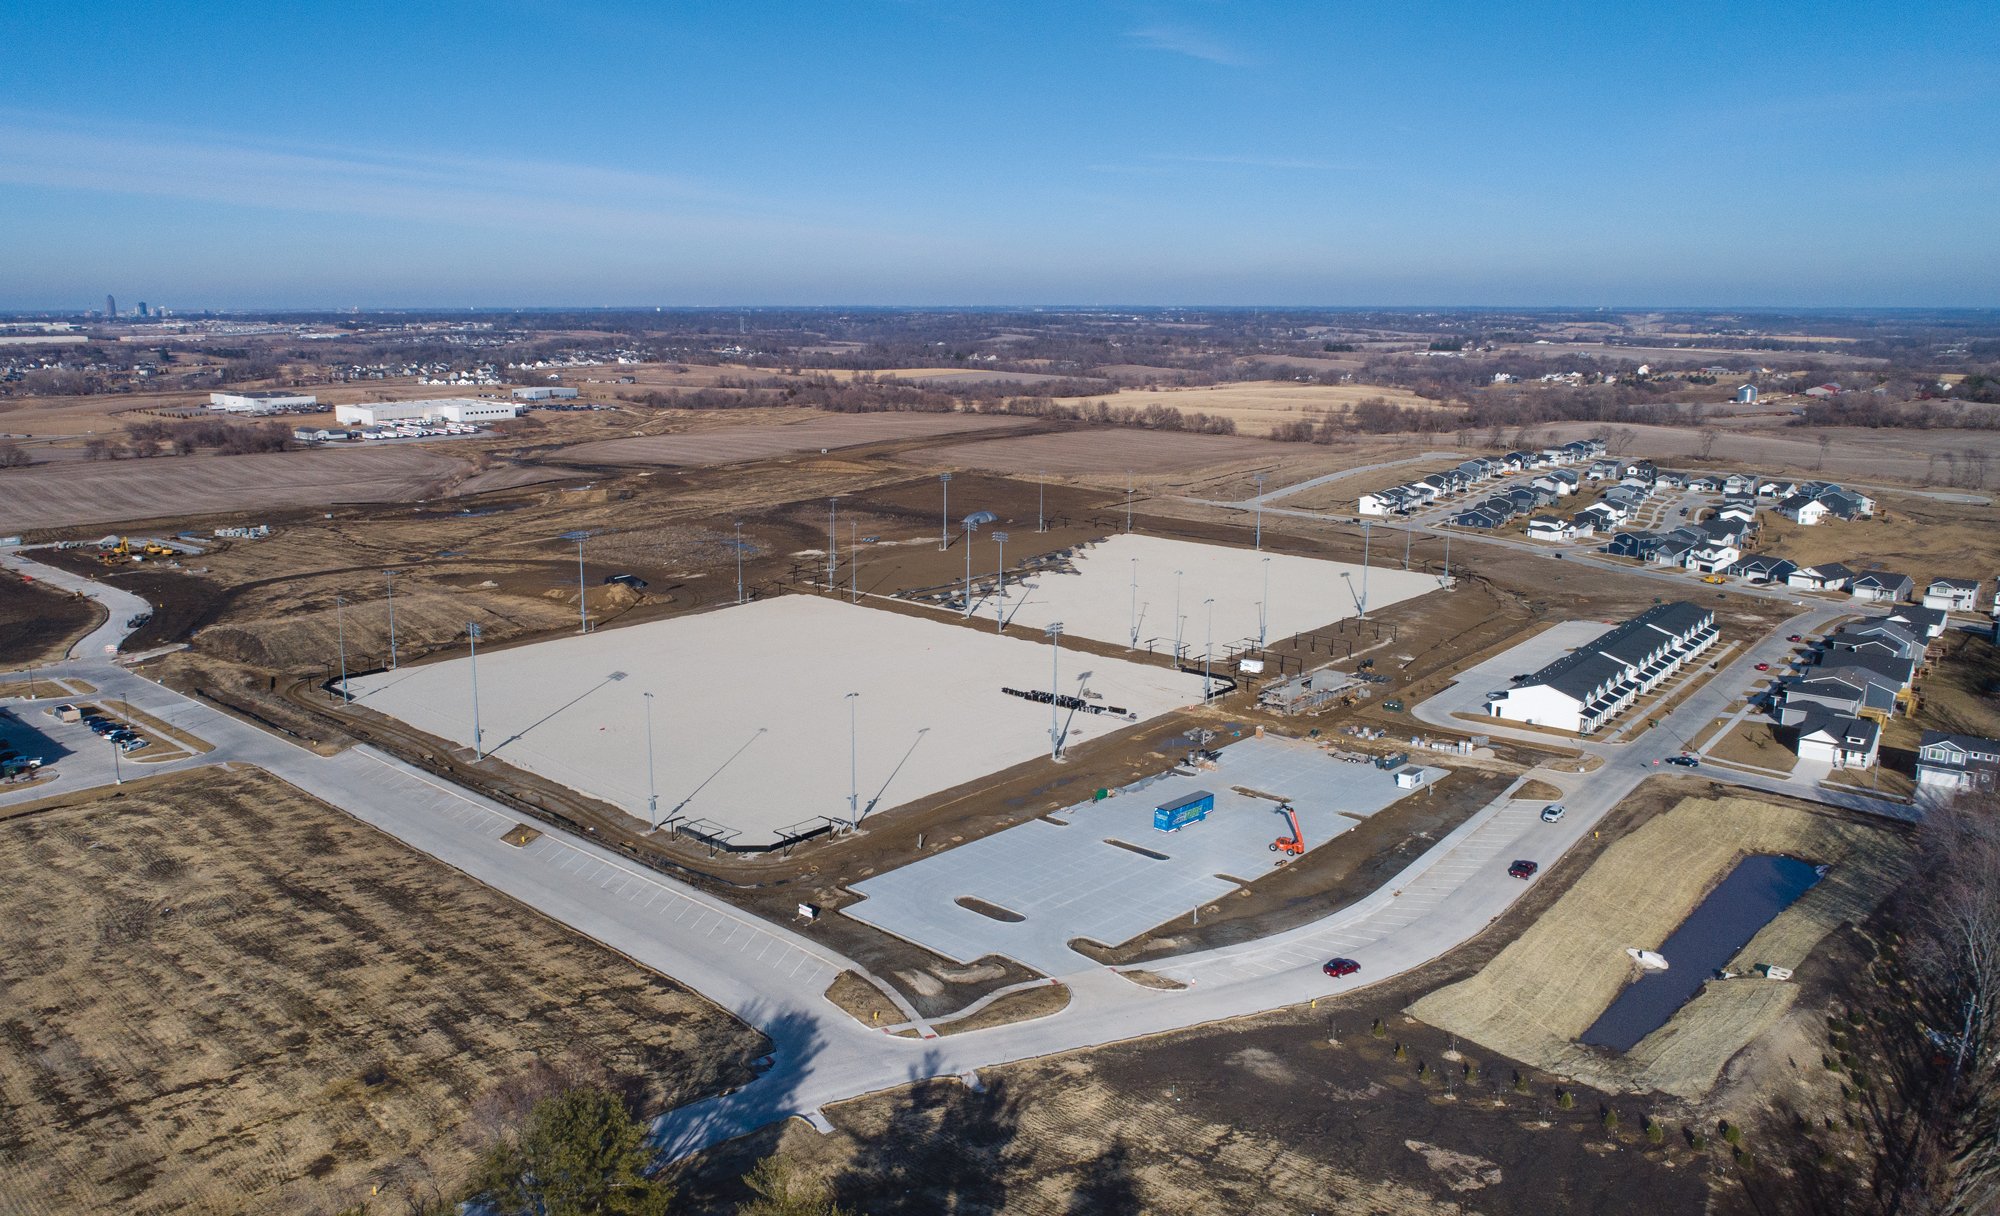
[
  {"x": 117, "y": 771},
  {"x": 1000, "y": 601},
  {"x": 944, "y": 527},
  {"x": 968, "y": 567},
  {"x": 853, "y": 561},
  {"x": 652, "y": 786},
  {"x": 1128, "y": 500},
  {"x": 1055, "y": 630},
  {"x": 340, "y": 627},
  {"x": 1041, "y": 486},
  {"x": 582, "y": 590},
  {"x": 1177, "y": 618},
  {"x": 853, "y": 760},
  {"x": 1364, "y": 569},
  {"x": 1447, "y": 554},
  {"x": 389, "y": 576},
  {"x": 1132, "y": 640},
  {"x": 1406, "y": 543},
  {"x": 1208, "y": 651},
  {"x": 739, "y": 561},
  {"x": 832, "y": 543},
  {"x": 472, "y": 640},
  {"x": 1264, "y": 607},
  {"x": 1260, "y": 512}
]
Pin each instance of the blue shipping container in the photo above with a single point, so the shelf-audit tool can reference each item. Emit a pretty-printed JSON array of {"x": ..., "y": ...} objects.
[{"x": 1192, "y": 808}]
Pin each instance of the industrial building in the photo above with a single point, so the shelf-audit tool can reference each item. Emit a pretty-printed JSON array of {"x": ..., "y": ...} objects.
[
  {"x": 268, "y": 401},
  {"x": 544, "y": 394},
  {"x": 448, "y": 409}
]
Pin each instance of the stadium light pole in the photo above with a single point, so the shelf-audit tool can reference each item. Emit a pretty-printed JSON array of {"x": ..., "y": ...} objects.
[
  {"x": 472, "y": 641},
  {"x": 1259, "y": 500},
  {"x": 1406, "y": 543},
  {"x": 1364, "y": 569},
  {"x": 117, "y": 771},
  {"x": 340, "y": 628},
  {"x": 968, "y": 566},
  {"x": 1208, "y": 651},
  {"x": 389, "y": 576},
  {"x": 582, "y": 603},
  {"x": 1178, "y": 618},
  {"x": 652, "y": 785},
  {"x": 1447, "y": 555},
  {"x": 853, "y": 561},
  {"x": 1128, "y": 500},
  {"x": 1055, "y": 631},
  {"x": 1132, "y": 639},
  {"x": 832, "y": 543},
  {"x": 1264, "y": 607},
  {"x": 853, "y": 760},
  {"x": 1041, "y": 486},
  {"x": 739, "y": 561},
  {"x": 1000, "y": 602},
  {"x": 944, "y": 526}
]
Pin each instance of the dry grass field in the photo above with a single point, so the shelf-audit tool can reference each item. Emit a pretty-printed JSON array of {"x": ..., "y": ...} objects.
[
  {"x": 1258, "y": 405},
  {"x": 1546, "y": 988},
  {"x": 1913, "y": 535},
  {"x": 810, "y": 432},
  {"x": 1864, "y": 455},
  {"x": 224, "y": 996},
  {"x": 1112, "y": 451}
]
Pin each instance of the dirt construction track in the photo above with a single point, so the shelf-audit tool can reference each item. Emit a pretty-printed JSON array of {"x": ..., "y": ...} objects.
[{"x": 757, "y": 443}]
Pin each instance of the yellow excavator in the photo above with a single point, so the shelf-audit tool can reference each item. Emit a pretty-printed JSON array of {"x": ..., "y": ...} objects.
[
  {"x": 154, "y": 549},
  {"x": 117, "y": 553}
]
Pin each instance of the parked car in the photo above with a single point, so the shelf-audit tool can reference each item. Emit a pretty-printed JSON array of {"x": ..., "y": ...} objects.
[
  {"x": 1338, "y": 967},
  {"x": 1763, "y": 667},
  {"x": 1795, "y": 638},
  {"x": 1553, "y": 813},
  {"x": 1685, "y": 761},
  {"x": 131, "y": 743},
  {"x": 1523, "y": 869}
]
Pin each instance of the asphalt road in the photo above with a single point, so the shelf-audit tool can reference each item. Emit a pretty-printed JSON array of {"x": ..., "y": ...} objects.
[{"x": 774, "y": 978}]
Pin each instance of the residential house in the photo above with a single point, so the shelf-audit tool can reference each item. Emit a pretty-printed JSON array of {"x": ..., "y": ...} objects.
[
  {"x": 1480, "y": 517},
  {"x": 1952, "y": 594},
  {"x": 1560, "y": 482},
  {"x": 1763, "y": 569},
  {"x": 1392, "y": 501},
  {"x": 1852, "y": 693},
  {"x": 1582, "y": 525},
  {"x": 1712, "y": 557},
  {"x": 1803, "y": 510},
  {"x": 1840, "y": 741},
  {"x": 1876, "y": 638},
  {"x": 1737, "y": 512},
  {"x": 1930, "y": 622},
  {"x": 1707, "y": 483},
  {"x": 1602, "y": 470},
  {"x": 1882, "y": 587},
  {"x": 1739, "y": 483},
  {"x": 1829, "y": 577},
  {"x": 1549, "y": 527},
  {"x": 1777, "y": 487},
  {"x": 1949, "y": 763},
  {"x": 1671, "y": 551},
  {"x": 1594, "y": 683},
  {"x": 1846, "y": 504},
  {"x": 1641, "y": 545}
]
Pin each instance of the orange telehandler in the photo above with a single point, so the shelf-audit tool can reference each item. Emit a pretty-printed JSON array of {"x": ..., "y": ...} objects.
[{"x": 1295, "y": 844}]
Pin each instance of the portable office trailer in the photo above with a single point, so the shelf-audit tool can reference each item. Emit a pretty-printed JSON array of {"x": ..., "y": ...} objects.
[{"x": 1189, "y": 808}]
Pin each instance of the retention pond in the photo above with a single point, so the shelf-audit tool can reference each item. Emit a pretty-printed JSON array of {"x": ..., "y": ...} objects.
[{"x": 1754, "y": 892}]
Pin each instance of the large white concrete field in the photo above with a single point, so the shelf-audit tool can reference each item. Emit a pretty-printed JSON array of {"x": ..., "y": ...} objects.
[
  {"x": 750, "y": 717},
  {"x": 1097, "y": 600}
]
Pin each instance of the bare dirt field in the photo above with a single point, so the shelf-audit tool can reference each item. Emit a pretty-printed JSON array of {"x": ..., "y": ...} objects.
[
  {"x": 70, "y": 493},
  {"x": 811, "y": 432},
  {"x": 1257, "y": 406},
  {"x": 37, "y": 623},
  {"x": 1108, "y": 451},
  {"x": 1910, "y": 534},
  {"x": 1549, "y": 985},
  {"x": 1863, "y": 455},
  {"x": 225, "y": 996}
]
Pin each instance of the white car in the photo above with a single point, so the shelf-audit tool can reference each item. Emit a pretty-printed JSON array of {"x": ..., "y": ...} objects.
[{"x": 1553, "y": 813}]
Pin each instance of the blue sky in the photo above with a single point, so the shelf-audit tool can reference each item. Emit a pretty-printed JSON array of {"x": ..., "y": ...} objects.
[{"x": 430, "y": 152}]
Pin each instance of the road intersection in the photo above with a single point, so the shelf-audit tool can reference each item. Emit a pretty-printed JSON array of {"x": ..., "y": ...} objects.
[{"x": 774, "y": 978}]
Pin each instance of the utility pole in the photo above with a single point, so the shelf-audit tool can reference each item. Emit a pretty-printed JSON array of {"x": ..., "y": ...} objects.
[
  {"x": 1055, "y": 630},
  {"x": 739, "y": 561},
  {"x": 472, "y": 640},
  {"x": 340, "y": 627},
  {"x": 389, "y": 576},
  {"x": 1000, "y": 601},
  {"x": 944, "y": 527},
  {"x": 1208, "y": 652},
  {"x": 853, "y": 761},
  {"x": 652, "y": 786},
  {"x": 1406, "y": 544},
  {"x": 1447, "y": 554},
  {"x": 832, "y": 543},
  {"x": 1260, "y": 512}
]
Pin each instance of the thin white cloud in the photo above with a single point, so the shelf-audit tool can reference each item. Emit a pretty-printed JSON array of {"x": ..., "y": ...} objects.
[
  {"x": 533, "y": 197},
  {"x": 1186, "y": 40}
]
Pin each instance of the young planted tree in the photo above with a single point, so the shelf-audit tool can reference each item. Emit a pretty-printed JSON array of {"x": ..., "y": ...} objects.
[{"x": 581, "y": 1152}]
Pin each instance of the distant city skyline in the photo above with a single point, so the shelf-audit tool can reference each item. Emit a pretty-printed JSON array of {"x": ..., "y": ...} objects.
[{"x": 235, "y": 156}]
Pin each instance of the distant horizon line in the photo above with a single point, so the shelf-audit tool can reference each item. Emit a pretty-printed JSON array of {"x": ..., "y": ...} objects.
[{"x": 363, "y": 310}]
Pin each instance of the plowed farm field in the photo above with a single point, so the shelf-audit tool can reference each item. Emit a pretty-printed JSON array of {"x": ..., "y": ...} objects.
[
  {"x": 1108, "y": 451},
  {"x": 731, "y": 445},
  {"x": 92, "y": 492}
]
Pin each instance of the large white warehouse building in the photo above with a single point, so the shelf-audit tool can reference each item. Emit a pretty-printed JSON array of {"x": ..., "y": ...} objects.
[
  {"x": 262, "y": 402},
  {"x": 449, "y": 409}
]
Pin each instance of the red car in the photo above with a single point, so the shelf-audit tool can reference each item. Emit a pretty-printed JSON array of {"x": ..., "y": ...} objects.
[
  {"x": 1339, "y": 967},
  {"x": 1523, "y": 869},
  {"x": 1763, "y": 667},
  {"x": 1795, "y": 638}
]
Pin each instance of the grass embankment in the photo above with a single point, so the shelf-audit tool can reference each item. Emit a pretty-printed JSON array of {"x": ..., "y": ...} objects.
[{"x": 1542, "y": 991}]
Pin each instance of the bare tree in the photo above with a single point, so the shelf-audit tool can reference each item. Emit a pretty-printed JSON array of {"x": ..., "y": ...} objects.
[
  {"x": 1825, "y": 442},
  {"x": 1709, "y": 435},
  {"x": 11, "y": 455}
]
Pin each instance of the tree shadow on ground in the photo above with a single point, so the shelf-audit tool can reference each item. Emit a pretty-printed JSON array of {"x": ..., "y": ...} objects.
[{"x": 944, "y": 1147}]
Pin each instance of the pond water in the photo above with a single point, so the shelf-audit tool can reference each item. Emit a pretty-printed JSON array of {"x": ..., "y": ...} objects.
[{"x": 1757, "y": 890}]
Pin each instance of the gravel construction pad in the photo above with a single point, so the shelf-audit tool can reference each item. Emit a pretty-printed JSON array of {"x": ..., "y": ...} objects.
[
  {"x": 1097, "y": 601},
  {"x": 784, "y": 666},
  {"x": 1067, "y": 880}
]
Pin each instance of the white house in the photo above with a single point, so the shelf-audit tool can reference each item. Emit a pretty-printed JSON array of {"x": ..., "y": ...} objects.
[
  {"x": 1549, "y": 527},
  {"x": 1882, "y": 587},
  {"x": 1802, "y": 510},
  {"x": 1952, "y": 594},
  {"x": 1831, "y": 576},
  {"x": 1840, "y": 741}
]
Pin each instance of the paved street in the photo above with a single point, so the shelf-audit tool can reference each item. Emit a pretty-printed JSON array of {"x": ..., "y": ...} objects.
[{"x": 774, "y": 978}]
